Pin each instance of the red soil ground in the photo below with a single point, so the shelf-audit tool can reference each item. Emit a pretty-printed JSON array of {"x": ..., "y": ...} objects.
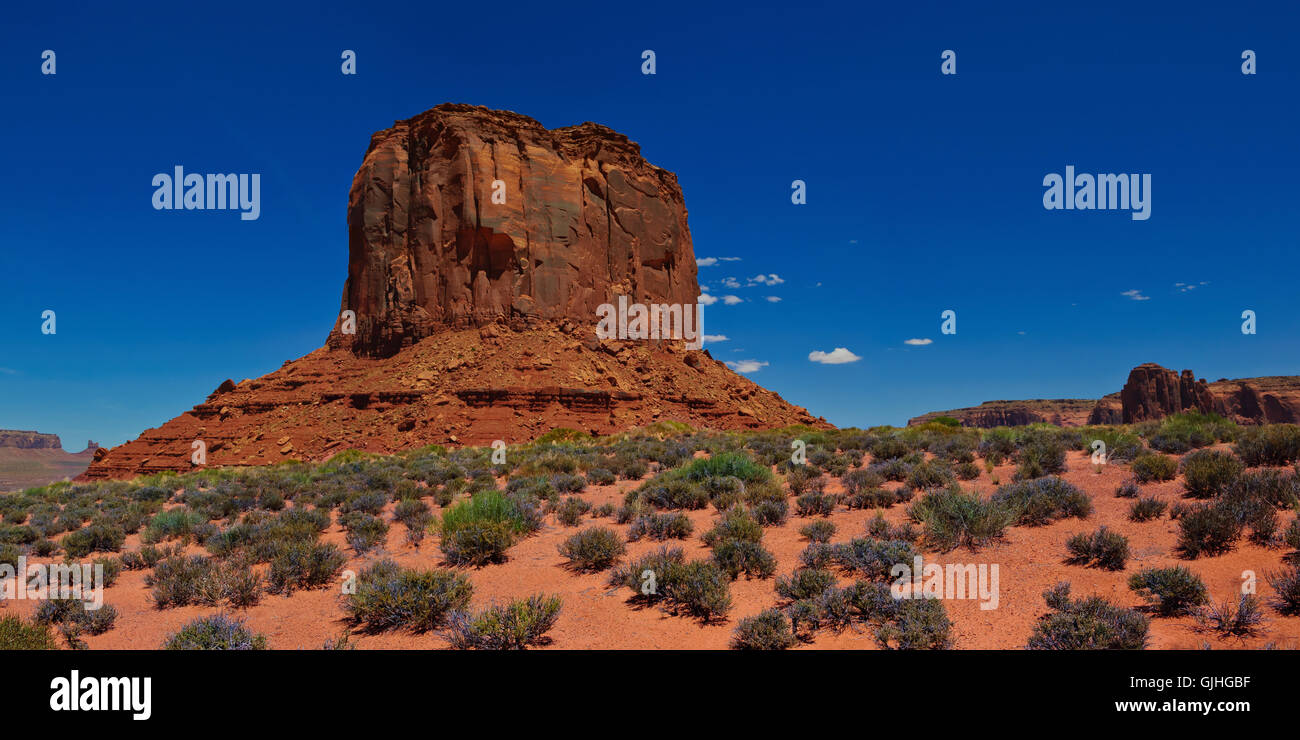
[{"x": 595, "y": 616}]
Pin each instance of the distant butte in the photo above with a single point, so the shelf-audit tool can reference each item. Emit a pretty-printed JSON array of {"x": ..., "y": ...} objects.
[{"x": 475, "y": 318}]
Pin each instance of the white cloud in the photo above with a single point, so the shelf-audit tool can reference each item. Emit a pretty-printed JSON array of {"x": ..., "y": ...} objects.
[
  {"x": 746, "y": 366},
  {"x": 707, "y": 299},
  {"x": 730, "y": 282},
  {"x": 774, "y": 299},
  {"x": 732, "y": 300},
  {"x": 837, "y": 356},
  {"x": 706, "y": 261},
  {"x": 713, "y": 338},
  {"x": 769, "y": 279},
  {"x": 919, "y": 342},
  {"x": 1136, "y": 295}
]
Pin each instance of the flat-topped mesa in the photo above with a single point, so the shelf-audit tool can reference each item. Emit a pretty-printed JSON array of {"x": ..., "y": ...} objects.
[{"x": 464, "y": 216}]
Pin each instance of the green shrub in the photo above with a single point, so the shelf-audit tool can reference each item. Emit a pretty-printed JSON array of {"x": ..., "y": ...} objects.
[
  {"x": 1208, "y": 473},
  {"x": 217, "y": 632},
  {"x": 1154, "y": 467},
  {"x": 181, "y": 580},
  {"x": 1087, "y": 624},
  {"x": 593, "y": 549},
  {"x": 517, "y": 626},
  {"x": 771, "y": 513},
  {"x": 738, "y": 557},
  {"x": 1103, "y": 549},
  {"x": 953, "y": 518},
  {"x": 1180, "y": 433},
  {"x": 1146, "y": 509},
  {"x": 1040, "y": 454},
  {"x": 481, "y": 529},
  {"x": 767, "y": 630},
  {"x": 1286, "y": 588},
  {"x": 1207, "y": 530},
  {"x": 15, "y": 634},
  {"x": 734, "y": 524},
  {"x": 1171, "y": 592},
  {"x": 669, "y": 526},
  {"x": 1240, "y": 619},
  {"x": 177, "y": 523},
  {"x": 600, "y": 477},
  {"x": 415, "y": 516},
  {"x": 930, "y": 475},
  {"x": 815, "y": 504},
  {"x": 874, "y": 559},
  {"x": 806, "y": 583},
  {"x": 646, "y": 575},
  {"x": 1042, "y": 501},
  {"x": 304, "y": 565},
  {"x": 571, "y": 511},
  {"x": 698, "y": 588},
  {"x": 1270, "y": 444},
  {"x": 364, "y": 531},
  {"x": 1128, "y": 489},
  {"x": 93, "y": 538},
  {"x": 388, "y": 597},
  {"x": 916, "y": 624},
  {"x": 820, "y": 530}
]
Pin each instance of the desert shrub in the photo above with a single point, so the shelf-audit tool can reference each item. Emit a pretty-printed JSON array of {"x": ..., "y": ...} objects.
[
  {"x": 604, "y": 511},
  {"x": 1242, "y": 618},
  {"x": 882, "y": 530},
  {"x": 646, "y": 574},
  {"x": 1103, "y": 549},
  {"x": 855, "y": 481},
  {"x": 771, "y": 513},
  {"x": 174, "y": 523},
  {"x": 820, "y": 530},
  {"x": 1170, "y": 592},
  {"x": 1286, "y": 588},
  {"x": 1128, "y": 489},
  {"x": 698, "y": 588},
  {"x": 1208, "y": 473},
  {"x": 806, "y": 583},
  {"x": 767, "y": 630},
  {"x": 593, "y": 549},
  {"x": 916, "y": 624},
  {"x": 952, "y": 517},
  {"x": 364, "y": 531},
  {"x": 1272, "y": 487},
  {"x": 181, "y": 580},
  {"x": 148, "y": 556},
  {"x": 1207, "y": 530},
  {"x": 415, "y": 516},
  {"x": 216, "y": 632},
  {"x": 815, "y": 504},
  {"x": 891, "y": 470},
  {"x": 1292, "y": 535},
  {"x": 1154, "y": 467},
  {"x": 738, "y": 557},
  {"x": 656, "y": 526},
  {"x": 930, "y": 475},
  {"x": 872, "y": 498},
  {"x": 601, "y": 477},
  {"x": 93, "y": 538},
  {"x": 734, "y": 524},
  {"x": 804, "y": 478},
  {"x": 1146, "y": 509},
  {"x": 368, "y": 502},
  {"x": 967, "y": 471},
  {"x": 568, "y": 482},
  {"x": 16, "y": 634},
  {"x": 1270, "y": 444},
  {"x": 1087, "y": 624},
  {"x": 737, "y": 464},
  {"x": 516, "y": 626},
  {"x": 672, "y": 491},
  {"x": 1040, "y": 454},
  {"x": 872, "y": 558},
  {"x": 997, "y": 445},
  {"x": 819, "y": 555},
  {"x": 1180, "y": 433},
  {"x": 571, "y": 511},
  {"x": 1120, "y": 445},
  {"x": 388, "y": 597},
  {"x": 1042, "y": 501},
  {"x": 482, "y": 529},
  {"x": 304, "y": 565}
]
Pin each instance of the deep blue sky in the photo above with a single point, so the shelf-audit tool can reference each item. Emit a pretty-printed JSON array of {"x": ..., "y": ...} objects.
[{"x": 924, "y": 191}]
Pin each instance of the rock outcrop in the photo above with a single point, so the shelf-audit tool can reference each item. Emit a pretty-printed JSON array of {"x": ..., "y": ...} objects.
[
  {"x": 34, "y": 458},
  {"x": 464, "y": 217},
  {"x": 475, "y": 317},
  {"x": 1154, "y": 392},
  {"x": 1069, "y": 412}
]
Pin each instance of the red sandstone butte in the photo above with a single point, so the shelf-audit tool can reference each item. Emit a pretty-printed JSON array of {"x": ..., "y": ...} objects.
[{"x": 476, "y": 318}]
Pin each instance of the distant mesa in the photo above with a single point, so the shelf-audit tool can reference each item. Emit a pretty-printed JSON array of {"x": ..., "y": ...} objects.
[
  {"x": 480, "y": 245},
  {"x": 1151, "y": 392},
  {"x": 34, "y": 459}
]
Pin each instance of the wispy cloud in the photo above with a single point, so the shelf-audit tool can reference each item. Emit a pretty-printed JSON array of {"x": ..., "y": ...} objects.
[
  {"x": 714, "y": 338},
  {"x": 711, "y": 261},
  {"x": 837, "y": 356},
  {"x": 918, "y": 342},
  {"x": 769, "y": 279},
  {"x": 731, "y": 300},
  {"x": 746, "y": 366},
  {"x": 707, "y": 299},
  {"x": 1136, "y": 295},
  {"x": 774, "y": 299}
]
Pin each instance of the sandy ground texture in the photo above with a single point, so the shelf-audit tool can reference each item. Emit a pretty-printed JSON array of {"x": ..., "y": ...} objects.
[{"x": 594, "y": 616}]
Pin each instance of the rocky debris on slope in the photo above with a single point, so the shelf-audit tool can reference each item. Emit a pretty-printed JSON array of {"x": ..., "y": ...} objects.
[{"x": 475, "y": 317}]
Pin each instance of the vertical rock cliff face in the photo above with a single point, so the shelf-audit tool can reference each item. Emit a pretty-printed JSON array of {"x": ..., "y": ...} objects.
[
  {"x": 464, "y": 216},
  {"x": 1154, "y": 392}
]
